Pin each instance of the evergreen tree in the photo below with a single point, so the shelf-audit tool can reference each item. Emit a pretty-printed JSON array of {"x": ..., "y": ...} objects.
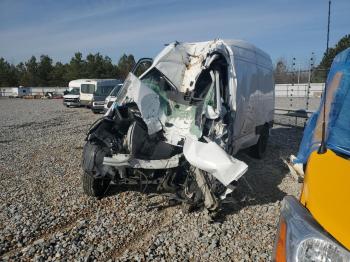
[
  {"x": 58, "y": 74},
  {"x": 45, "y": 69},
  {"x": 125, "y": 65},
  {"x": 45, "y": 73},
  {"x": 76, "y": 67},
  {"x": 321, "y": 72},
  {"x": 8, "y": 74},
  {"x": 327, "y": 59},
  {"x": 30, "y": 74}
]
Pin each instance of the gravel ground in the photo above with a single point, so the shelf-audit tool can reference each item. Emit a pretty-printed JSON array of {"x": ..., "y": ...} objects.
[{"x": 45, "y": 216}]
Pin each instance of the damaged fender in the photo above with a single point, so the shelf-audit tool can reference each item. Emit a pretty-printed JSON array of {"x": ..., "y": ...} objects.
[{"x": 211, "y": 158}]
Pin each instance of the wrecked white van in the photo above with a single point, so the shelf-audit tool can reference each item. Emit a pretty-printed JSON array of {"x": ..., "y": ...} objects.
[{"x": 180, "y": 122}]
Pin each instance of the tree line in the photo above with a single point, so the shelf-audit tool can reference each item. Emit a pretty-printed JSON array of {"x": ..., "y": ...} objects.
[
  {"x": 285, "y": 74},
  {"x": 44, "y": 72}
]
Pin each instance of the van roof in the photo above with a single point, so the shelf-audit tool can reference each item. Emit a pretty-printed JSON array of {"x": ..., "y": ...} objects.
[
  {"x": 181, "y": 63},
  {"x": 94, "y": 80},
  {"x": 107, "y": 81}
]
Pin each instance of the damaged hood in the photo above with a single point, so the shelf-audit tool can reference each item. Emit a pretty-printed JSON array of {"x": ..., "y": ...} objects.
[{"x": 181, "y": 63}]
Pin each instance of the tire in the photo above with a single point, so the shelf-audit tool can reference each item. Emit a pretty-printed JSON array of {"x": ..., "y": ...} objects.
[
  {"x": 95, "y": 181},
  {"x": 94, "y": 187},
  {"x": 259, "y": 149}
]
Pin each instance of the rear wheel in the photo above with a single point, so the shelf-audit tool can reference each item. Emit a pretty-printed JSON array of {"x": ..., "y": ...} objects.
[
  {"x": 95, "y": 187},
  {"x": 259, "y": 149}
]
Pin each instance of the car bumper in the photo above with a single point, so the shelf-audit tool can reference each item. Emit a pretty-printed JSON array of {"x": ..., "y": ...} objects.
[
  {"x": 85, "y": 103},
  {"x": 97, "y": 107},
  {"x": 71, "y": 103}
]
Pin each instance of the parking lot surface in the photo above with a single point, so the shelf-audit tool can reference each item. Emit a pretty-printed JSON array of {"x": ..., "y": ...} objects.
[{"x": 45, "y": 216}]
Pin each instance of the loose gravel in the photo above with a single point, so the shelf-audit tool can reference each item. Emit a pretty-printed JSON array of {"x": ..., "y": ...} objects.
[{"x": 46, "y": 217}]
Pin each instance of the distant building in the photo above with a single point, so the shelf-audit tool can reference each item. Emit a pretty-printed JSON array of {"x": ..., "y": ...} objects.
[
  {"x": 23, "y": 91},
  {"x": 9, "y": 91}
]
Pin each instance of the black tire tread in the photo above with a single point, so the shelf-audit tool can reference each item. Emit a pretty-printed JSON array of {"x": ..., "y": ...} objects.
[
  {"x": 94, "y": 187},
  {"x": 255, "y": 151}
]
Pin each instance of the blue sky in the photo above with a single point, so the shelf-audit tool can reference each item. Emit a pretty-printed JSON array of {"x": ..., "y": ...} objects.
[{"x": 282, "y": 28}]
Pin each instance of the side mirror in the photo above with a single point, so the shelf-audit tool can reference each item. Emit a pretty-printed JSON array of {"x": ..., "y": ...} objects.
[{"x": 210, "y": 113}]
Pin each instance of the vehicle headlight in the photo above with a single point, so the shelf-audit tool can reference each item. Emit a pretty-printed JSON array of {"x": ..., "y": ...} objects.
[
  {"x": 314, "y": 249},
  {"x": 300, "y": 238}
]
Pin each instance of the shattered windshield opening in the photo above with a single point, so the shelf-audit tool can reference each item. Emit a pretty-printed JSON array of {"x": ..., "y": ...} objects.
[
  {"x": 156, "y": 81},
  {"x": 160, "y": 84},
  {"x": 159, "y": 102}
]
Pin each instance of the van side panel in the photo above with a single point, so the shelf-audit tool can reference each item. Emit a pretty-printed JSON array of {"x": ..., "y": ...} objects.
[
  {"x": 265, "y": 108},
  {"x": 254, "y": 94}
]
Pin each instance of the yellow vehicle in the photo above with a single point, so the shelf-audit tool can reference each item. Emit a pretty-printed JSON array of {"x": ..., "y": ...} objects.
[{"x": 317, "y": 226}]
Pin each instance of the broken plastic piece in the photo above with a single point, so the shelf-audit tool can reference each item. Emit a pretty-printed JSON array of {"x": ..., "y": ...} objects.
[{"x": 211, "y": 158}]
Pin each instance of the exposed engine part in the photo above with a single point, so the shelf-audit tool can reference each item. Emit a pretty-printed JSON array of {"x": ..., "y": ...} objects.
[{"x": 210, "y": 201}]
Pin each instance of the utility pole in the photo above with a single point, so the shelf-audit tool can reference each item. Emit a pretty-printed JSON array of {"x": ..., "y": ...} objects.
[
  {"x": 329, "y": 22},
  {"x": 323, "y": 149}
]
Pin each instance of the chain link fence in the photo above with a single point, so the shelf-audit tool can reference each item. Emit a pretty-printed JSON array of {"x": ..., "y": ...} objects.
[{"x": 298, "y": 95}]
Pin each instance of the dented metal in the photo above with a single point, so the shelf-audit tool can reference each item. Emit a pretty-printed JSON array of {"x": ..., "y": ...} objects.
[
  {"x": 126, "y": 160},
  {"x": 195, "y": 106}
]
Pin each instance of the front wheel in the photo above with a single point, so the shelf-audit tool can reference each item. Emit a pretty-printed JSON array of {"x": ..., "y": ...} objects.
[
  {"x": 95, "y": 178},
  {"x": 94, "y": 187}
]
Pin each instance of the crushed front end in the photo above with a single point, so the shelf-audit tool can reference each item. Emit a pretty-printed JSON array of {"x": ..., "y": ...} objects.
[{"x": 169, "y": 128}]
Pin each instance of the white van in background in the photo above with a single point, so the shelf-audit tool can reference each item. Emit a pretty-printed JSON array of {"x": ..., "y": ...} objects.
[
  {"x": 72, "y": 98},
  {"x": 112, "y": 97},
  {"x": 87, "y": 88}
]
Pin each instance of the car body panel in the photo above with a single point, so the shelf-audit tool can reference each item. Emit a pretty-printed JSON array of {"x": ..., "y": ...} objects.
[
  {"x": 211, "y": 158},
  {"x": 326, "y": 193}
]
